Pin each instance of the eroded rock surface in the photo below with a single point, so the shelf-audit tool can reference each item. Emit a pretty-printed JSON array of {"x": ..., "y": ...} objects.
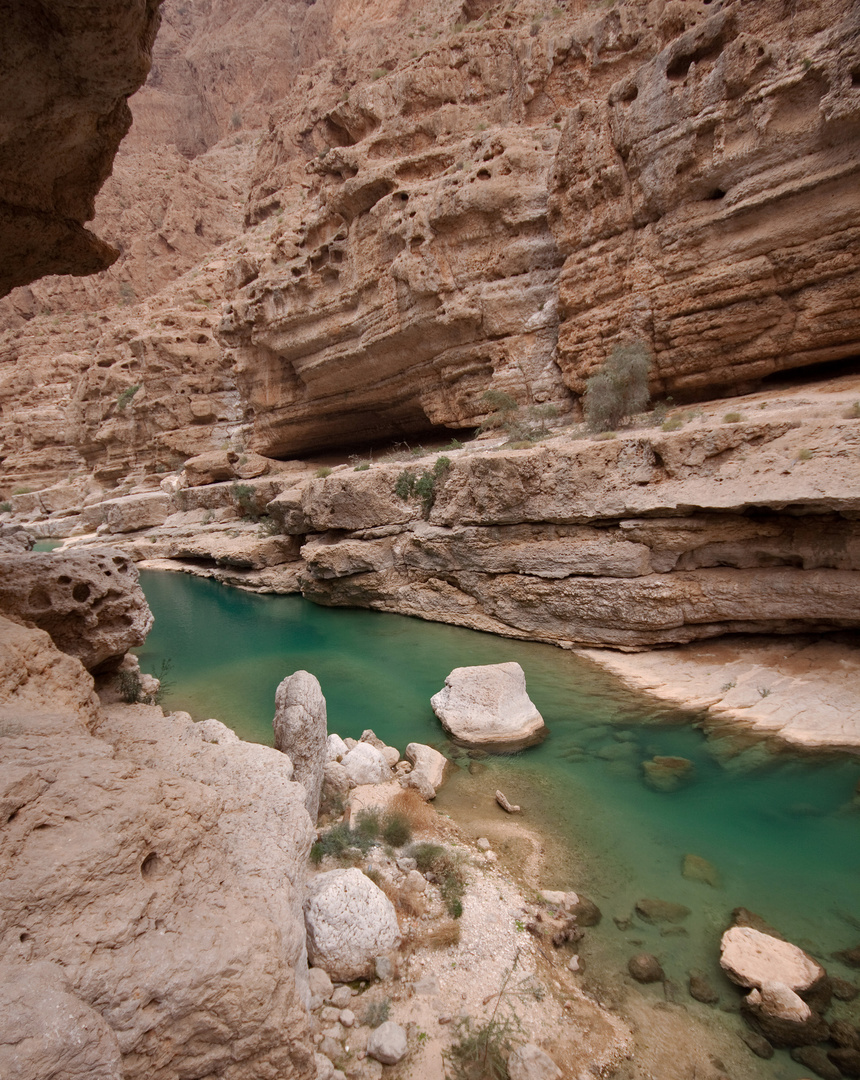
[
  {"x": 152, "y": 875},
  {"x": 89, "y": 602},
  {"x": 66, "y": 75}
]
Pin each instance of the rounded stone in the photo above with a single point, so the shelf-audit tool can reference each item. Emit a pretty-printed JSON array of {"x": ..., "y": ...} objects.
[
  {"x": 645, "y": 968},
  {"x": 387, "y": 1043},
  {"x": 349, "y": 921}
]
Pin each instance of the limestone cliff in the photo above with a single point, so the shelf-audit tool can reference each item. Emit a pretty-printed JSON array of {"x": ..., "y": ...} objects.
[{"x": 446, "y": 198}]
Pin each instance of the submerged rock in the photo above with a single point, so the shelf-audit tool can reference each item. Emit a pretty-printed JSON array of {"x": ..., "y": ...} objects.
[
  {"x": 661, "y": 911},
  {"x": 695, "y": 868},
  {"x": 758, "y": 1044},
  {"x": 702, "y": 990},
  {"x": 667, "y": 773},
  {"x": 645, "y": 968},
  {"x": 813, "y": 1057},
  {"x": 487, "y": 706},
  {"x": 300, "y": 732},
  {"x": 782, "y": 1016}
]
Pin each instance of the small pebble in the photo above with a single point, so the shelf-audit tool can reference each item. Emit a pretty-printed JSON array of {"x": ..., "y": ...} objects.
[
  {"x": 347, "y": 1018},
  {"x": 483, "y": 843}
]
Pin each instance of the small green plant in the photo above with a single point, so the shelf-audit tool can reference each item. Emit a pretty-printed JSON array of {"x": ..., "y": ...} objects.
[
  {"x": 23, "y": 490},
  {"x": 454, "y": 444},
  {"x": 724, "y": 689},
  {"x": 480, "y": 1050},
  {"x": 804, "y": 455},
  {"x": 396, "y": 829},
  {"x": 732, "y": 418},
  {"x": 243, "y": 496},
  {"x": 129, "y": 687},
  {"x": 409, "y": 485},
  {"x": 126, "y": 396},
  {"x": 853, "y": 413},
  {"x": 5, "y": 507},
  {"x": 448, "y": 870},
  {"x": 378, "y": 73},
  {"x": 376, "y": 1013},
  {"x": 672, "y": 424},
  {"x": 422, "y": 1037},
  {"x": 764, "y": 691},
  {"x": 620, "y": 389},
  {"x": 322, "y": 472},
  {"x": 602, "y": 436}
]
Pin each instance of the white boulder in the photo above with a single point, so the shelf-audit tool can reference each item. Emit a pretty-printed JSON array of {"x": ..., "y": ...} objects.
[
  {"x": 349, "y": 922},
  {"x": 365, "y": 764},
  {"x": 488, "y": 707},
  {"x": 428, "y": 769},
  {"x": 335, "y": 748},
  {"x": 529, "y": 1062},
  {"x": 387, "y": 1043},
  {"x": 751, "y": 958}
]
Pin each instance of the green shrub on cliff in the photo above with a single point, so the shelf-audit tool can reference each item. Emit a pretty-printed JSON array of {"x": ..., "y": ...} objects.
[
  {"x": 408, "y": 485},
  {"x": 620, "y": 389}
]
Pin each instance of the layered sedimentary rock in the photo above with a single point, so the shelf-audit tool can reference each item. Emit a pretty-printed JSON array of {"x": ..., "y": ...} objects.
[
  {"x": 152, "y": 874},
  {"x": 67, "y": 72},
  {"x": 451, "y": 201}
]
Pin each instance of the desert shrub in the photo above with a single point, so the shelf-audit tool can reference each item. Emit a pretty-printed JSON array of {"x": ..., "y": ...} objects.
[
  {"x": 422, "y": 486},
  {"x": 243, "y": 496},
  {"x": 322, "y": 472},
  {"x": 804, "y": 455},
  {"x": 332, "y": 842},
  {"x": 620, "y": 389},
  {"x": 5, "y": 507},
  {"x": 521, "y": 425},
  {"x": 448, "y": 870},
  {"x": 852, "y": 413},
  {"x": 673, "y": 423},
  {"x": 368, "y": 824},
  {"x": 732, "y": 418},
  {"x": 396, "y": 829},
  {"x": 126, "y": 396},
  {"x": 129, "y": 687}
]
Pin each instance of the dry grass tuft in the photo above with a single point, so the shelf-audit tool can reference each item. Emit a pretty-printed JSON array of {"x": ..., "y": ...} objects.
[{"x": 410, "y": 804}]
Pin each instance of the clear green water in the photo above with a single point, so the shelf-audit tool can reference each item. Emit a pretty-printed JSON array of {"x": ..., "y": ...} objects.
[
  {"x": 782, "y": 830},
  {"x": 47, "y": 545}
]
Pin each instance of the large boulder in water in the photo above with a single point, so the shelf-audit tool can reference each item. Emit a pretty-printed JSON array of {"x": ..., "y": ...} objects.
[
  {"x": 487, "y": 707},
  {"x": 349, "y": 921},
  {"x": 301, "y": 732}
]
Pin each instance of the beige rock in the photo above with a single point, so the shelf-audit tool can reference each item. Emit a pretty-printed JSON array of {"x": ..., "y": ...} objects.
[
  {"x": 751, "y": 958},
  {"x": 135, "y": 512},
  {"x": 159, "y": 815},
  {"x": 428, "y": 772},
  {"x": 487, "y": 706},
  {"x": 365, "y": 764},
  {"x": 301, "y": 732},
  {"x": 349, "y": 922},
  {"x": 89, "y": 602}
]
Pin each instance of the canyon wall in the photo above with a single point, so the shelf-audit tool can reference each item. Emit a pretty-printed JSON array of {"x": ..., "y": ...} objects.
[
  {"x": 360, "y": 218},
  {"x": 66, "y": 75}
]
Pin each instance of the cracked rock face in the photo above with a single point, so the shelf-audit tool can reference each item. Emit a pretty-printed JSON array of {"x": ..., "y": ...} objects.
[
  {"x": 89, "y": 602},
  {"x": 349, "y": 921}
]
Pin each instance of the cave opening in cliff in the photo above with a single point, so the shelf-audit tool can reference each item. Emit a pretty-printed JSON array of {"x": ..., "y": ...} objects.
[{"x": 812, "y": 373}]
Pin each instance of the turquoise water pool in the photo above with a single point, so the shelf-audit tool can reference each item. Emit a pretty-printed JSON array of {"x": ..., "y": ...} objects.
[{"x": 783, "y": 831}]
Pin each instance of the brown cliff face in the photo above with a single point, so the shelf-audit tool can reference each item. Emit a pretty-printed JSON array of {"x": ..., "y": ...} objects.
[
  {"x": 446, "y": 199},
  {"x": 66, "y": 75}
]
